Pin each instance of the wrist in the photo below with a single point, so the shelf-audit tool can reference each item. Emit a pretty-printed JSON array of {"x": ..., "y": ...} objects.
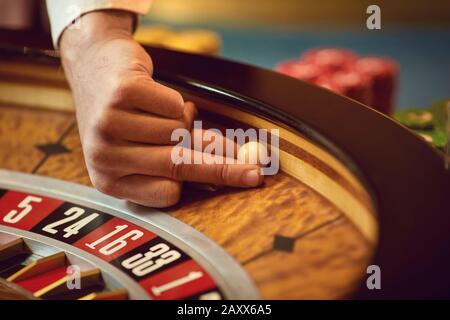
[{"x": 95, "y": 28}]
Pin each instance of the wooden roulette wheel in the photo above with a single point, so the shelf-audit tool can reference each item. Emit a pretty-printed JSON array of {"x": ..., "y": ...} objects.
[{"x": 355, "y": 189}]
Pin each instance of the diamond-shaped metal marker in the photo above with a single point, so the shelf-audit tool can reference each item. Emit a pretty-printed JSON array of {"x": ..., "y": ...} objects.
[
  {"x": 52, "y": 148},
  {"x": 282, "y": 243}
]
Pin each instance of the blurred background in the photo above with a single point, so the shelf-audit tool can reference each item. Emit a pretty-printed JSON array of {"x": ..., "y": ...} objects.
[{"x": 415, "y": 33}]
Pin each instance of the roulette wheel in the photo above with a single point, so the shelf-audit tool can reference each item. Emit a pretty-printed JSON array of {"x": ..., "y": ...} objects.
[{"x": 355, "y": 190}]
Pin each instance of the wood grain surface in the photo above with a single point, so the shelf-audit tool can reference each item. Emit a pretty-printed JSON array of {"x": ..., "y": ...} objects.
[{"x": 292, "y": 241}]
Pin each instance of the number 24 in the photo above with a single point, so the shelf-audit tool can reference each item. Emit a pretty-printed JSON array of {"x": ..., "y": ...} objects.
[{"x": 73, "y": 214}]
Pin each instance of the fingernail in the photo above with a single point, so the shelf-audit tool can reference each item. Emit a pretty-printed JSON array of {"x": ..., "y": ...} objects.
[{"x": 251, "y": 178}]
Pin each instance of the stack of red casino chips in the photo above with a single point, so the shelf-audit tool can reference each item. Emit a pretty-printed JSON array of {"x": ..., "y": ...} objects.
[
  {"x": 370, "y": 80},
  {"x": 330, "y": 59},
  {"x": 300, "y": 69},
  {"x": 382, "y": 73},
  {"x": 352, "y": 85}
]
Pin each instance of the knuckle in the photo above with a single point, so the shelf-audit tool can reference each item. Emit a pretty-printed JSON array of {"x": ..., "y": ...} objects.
[
  {"x": 105, "y": 122},
  {"x": 143, "y": 62},
  {"x": 121, "y": 92},
  {"x": 97, "y": 155},
  {"x": 222, "y": 173},
  {"x": 176, "y": 171},
  {"x": 176, "y": 99},
  {"x": 103, "y": 183}
]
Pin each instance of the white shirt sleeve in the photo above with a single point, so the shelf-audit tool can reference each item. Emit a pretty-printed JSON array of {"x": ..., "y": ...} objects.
[{"x": 63, "y": 12}]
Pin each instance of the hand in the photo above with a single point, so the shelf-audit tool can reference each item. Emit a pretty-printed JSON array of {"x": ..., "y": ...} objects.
[{"x": 126, "y": 119}]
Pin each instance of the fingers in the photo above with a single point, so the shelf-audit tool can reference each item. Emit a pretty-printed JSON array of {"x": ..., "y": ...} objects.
[
  {"x": 213, "y": 142},
  {"x": 190, "y": 112},
  {"x": 146, "y": 128},
  {"x": 185, "y": 165},
  {"x": 235, "y": 175},
  {"x": 150, "y": 96},
  {"x": 148, "y": 175},
  {"x": 148, "y": 191}
]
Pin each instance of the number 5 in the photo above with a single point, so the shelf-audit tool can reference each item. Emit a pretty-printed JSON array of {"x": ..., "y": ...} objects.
[{"x": 14, "y": 216}]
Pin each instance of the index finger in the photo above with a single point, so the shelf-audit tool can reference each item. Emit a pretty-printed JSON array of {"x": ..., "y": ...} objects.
[
  {"x": 215, "y": 170},
  {"x": 194, "y": 166}
]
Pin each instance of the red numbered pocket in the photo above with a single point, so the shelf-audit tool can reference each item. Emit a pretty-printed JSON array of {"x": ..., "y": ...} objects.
[
  {"x": 183, "y": 280},
  {"x": 114, "y": 238},
  {"x": 24, "y": 210}
]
